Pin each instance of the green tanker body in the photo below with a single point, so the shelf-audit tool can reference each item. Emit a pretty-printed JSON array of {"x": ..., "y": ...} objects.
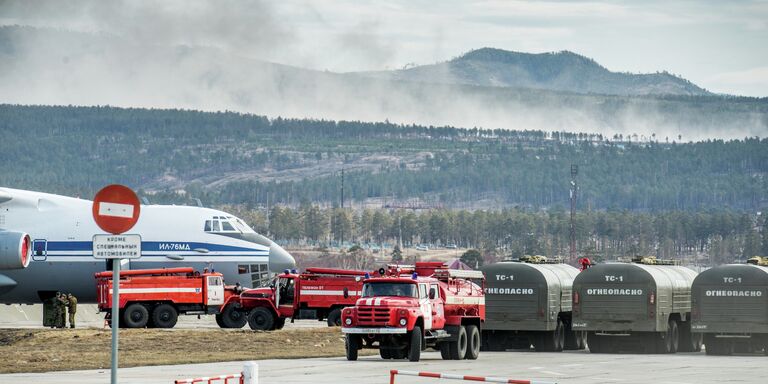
[
  {"x": 529, "y": 303},
  {"x": 730, "y": 308},
  {"x": 638, "y": 307}
]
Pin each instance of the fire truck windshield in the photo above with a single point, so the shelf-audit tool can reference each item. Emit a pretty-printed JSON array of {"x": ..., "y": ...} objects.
[{"x": 389, "y": 289}]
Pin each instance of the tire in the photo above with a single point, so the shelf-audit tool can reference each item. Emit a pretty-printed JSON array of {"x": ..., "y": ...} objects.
[
  {"x": 594, "y": 343},
  {"x": 458, "y": 347},
  {"x": 385, "y": 354},
  {"x": 573, "y": 340},
  {"x": 559, "y": 336},
  {"x": 351, "y": 345},
  {"x": 261, "y": 319},
  {"x": 445, "y": 350},
  {"x": 280, "y": 323},
  {"x": 135, "y": 316},
  {"x": 232, "y": 317},
  {"x": 414, "y": 346},
  {"x": 664, "y": 341},
  {"x": 218, "y": 320},
  {"x": 674, "y": 334},
  {"x": 473, "y": 343},
  {"x": 164, "y": 316},
  {"x": 334, "y": 318},
  {"x": 717, "y": 347}
]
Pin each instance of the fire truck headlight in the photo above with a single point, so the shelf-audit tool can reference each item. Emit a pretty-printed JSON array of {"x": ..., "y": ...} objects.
[
  {"x": 403, "y": 322},
  {"x": 348, "y": 321}
]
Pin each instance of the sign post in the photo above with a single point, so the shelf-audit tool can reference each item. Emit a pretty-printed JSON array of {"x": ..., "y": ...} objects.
[{"x": 116, "y": 210}]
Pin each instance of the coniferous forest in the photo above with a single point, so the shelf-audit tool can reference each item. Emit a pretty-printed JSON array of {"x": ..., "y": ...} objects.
[{"x": 497, "y": 189}]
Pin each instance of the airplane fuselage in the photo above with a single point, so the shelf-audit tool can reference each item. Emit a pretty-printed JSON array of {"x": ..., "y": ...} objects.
[{"x": 62, "y": 228}]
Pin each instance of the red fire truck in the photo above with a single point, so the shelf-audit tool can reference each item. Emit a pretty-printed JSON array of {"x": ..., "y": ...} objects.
[
  {"x": 318, "y": 293},
  {"x": 155, "y": 297},
  {"x": 426, "y": 306}
]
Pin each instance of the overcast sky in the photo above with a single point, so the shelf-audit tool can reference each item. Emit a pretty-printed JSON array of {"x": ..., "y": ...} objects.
[{"x": 719, "y": 45}]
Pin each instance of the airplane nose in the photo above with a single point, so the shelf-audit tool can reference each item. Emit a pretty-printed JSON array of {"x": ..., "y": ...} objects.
[{"x": 280, "y": 259}]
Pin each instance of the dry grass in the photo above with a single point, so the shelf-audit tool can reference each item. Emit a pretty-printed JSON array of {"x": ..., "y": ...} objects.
[{"x": 45, "y": 350}]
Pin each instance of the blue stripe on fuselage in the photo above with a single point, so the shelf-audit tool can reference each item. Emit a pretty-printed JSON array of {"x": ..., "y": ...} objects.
[{"x": 151, "y": 246}]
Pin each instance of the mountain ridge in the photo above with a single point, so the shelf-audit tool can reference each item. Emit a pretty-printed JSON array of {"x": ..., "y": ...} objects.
[{"x": 557, "y": 71}]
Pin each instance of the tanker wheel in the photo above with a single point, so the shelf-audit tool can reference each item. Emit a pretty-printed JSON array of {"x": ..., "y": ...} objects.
[
  {"x": 280, "y": 323},
  {"x": 414, "y": 346},
  {"x": 232, "y": 317},
  {"x": 164, "y": 316},
  {"x": 594, "y": 342},
  {"x": 261, "y": 319},
  {"x": 664, "y": 341},
  {"x": 458, "y": 348},
  {"x": 334, "y": 318},
  {"x": 473, "y": 343},
  {"x": 351, "y": 345},
  {"x": 689, "y": 341},
  {"x": 696, "y": 342},
  {"x": 674, "y": 336},
  {"x": 717, "y": 347},
  {"x": 135, "y": 316}
]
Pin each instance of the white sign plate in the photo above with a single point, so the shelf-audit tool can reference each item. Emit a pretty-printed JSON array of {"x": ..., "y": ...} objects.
[{"x": 117, "y": 246}]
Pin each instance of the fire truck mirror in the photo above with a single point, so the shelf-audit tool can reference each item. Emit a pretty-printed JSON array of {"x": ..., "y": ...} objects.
[{"x": 346, "y": 292}]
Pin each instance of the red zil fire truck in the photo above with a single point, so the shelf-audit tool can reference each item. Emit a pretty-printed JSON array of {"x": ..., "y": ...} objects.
[
  {"x": 318, "y": 293},
  {"x": 428, "y": 305},
  {"x": 156, "y": 297}
]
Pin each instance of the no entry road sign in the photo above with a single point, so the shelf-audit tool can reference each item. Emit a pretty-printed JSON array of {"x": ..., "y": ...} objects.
[{"x": 116, "y": 209}]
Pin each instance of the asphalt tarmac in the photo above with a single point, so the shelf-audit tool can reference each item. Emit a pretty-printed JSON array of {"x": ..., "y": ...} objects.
[{"x": 572, "y": 367}]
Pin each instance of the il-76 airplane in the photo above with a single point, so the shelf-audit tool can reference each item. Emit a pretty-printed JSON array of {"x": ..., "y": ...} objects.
[{"x": 46, "y": 246}]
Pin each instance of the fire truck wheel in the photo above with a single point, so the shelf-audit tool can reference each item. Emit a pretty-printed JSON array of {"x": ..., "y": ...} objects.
[
  {"x": 352, "y": 344},
  {"x": 164, "y": 316},
  {"x": 135, "y": 316},
  {"x": 231, "y": 317},
  {"x": 334, "y": 318},
  {"x": 414, "y": 347},
  {"x": 280, "y": 323},
  {"x": 218, "y": 320},
  {"x": 385, "y": 353},
  {"x": 458, "y": 347},
  {"x": 261, "y": 319},
  {"x": 473, "y": 346}
]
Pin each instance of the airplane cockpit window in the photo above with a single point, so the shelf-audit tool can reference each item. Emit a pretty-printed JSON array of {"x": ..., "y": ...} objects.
[{"x": 226, "y": 224}]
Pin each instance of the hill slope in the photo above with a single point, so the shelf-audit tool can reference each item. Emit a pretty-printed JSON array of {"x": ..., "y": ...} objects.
[
  {"x": 236, "y": 158},
  {"x": 561, "y": 71}
]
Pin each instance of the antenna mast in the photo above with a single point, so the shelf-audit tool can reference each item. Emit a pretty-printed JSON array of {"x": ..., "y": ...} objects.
[{"x": 574, "y": 191}]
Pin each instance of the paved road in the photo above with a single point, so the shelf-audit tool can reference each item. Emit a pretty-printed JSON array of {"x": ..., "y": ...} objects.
[
  {"x": 30, "y": 316},
  {"x": 577, "y": 367}
]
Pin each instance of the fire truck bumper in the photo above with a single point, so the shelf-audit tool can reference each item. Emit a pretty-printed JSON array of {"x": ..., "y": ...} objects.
[{"x": 375, "y": 331}]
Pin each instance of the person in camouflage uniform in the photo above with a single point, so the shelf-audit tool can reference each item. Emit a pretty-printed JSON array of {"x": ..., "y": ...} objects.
[
  {"x": 62, "y": 304},
  {"x": 72, "y": 309}
]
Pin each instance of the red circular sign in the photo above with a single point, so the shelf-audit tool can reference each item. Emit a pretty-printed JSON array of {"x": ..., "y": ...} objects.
[{"x": 116, "y": 209}]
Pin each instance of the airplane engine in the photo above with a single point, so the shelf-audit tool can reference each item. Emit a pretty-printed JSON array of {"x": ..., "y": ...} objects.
[{"x": 15, "y": 250}]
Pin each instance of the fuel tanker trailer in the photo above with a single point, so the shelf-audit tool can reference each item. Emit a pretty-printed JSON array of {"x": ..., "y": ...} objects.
[
  {"x": 639, "y": 306},
  {"x": 730, "y": 307},
  {"x": 529, "y": 302}
]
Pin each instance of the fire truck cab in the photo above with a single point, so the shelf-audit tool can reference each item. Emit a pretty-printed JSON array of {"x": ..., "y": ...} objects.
[{"x": 426, "y": 306}]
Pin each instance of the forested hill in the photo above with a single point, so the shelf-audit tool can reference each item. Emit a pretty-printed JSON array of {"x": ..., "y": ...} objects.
[
  {"x": 237, "y": 158},
  {"x": 559, "y": 71}
]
